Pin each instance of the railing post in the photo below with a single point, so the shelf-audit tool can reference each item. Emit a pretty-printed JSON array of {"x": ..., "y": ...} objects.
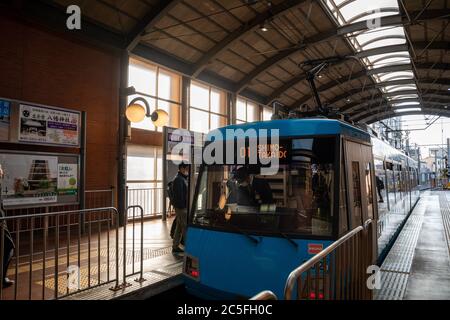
[
  {"x": 141, "y": 278},
  {"x": 117, "y": 286},
  {"x": 2, "y": 254}
]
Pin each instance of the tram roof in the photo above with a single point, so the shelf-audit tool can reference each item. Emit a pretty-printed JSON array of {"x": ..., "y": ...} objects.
[{"x": 291, "y": 128}]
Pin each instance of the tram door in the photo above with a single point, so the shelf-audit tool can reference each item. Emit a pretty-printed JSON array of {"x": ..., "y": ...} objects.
[{"x": 361, "y": 187}]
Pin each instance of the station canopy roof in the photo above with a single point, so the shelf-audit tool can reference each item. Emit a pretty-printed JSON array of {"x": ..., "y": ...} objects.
[{"x": 393, "y": 55}]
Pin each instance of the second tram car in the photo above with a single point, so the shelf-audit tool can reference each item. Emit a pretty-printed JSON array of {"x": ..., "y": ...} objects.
[{"x": 247, "y": 231}]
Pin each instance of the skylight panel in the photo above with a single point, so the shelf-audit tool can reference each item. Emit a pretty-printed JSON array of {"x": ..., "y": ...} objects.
[
  {"x": 407, "y": 110},
  {"x": 369, "y": 15},
  {"x": 390, "y": 59},
  {"x": 400, "y": 88},
  {"x": 385, "y": 36},
  {"x": 411, "y": 96},
  {"x": 402, "y": 104},
  {"x": 351, "y": 11},
  {"x": 399, "y": 75},
  {"x": 357, "y": 7}
]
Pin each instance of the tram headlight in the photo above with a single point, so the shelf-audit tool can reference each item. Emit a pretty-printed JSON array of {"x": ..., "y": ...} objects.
[{"x": 191, "y": 267}]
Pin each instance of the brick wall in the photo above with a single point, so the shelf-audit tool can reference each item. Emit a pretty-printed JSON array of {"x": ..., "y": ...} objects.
[{"x": 47, "y": 68}]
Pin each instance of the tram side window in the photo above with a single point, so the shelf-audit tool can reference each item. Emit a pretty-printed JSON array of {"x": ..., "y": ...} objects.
[
  {"x": 369, "y": 189},
  {"x": 356, "y": 183},
  {"x": 343, "y": 215}
]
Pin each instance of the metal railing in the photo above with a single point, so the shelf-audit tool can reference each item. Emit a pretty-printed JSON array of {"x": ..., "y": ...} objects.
[
  {"x": 99, "y": 198},
  {"x": 133, "y": 224},
  {"x": 90, "y": 258},
  {"x": 150, "y": 199},
  {"x": 93, "y": 199},
  {"x": 336, "y": 273},
  {"x": 265, "y": 295},
  {"x": 58, "y": 260}
]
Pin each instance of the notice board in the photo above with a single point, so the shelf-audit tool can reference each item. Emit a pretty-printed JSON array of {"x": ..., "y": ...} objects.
[{"x": 39, "y": 179}]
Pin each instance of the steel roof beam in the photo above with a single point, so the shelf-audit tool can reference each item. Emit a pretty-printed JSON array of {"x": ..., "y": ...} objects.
[
  {"x": 391, "y": 68},
  {"x": 149, "y": 21},
  {"x": 347, "y": 78},
  {"x": 436, "y": 45},
  {"x": 358, "y": 117},
  {"x": 302, "y": 77},
  {"x": 379, "y": 85},
  {"x": 382, "y": 50},
  {"x": 391, "y": 114},
  {"x": 430, "y": 14},
  {"x": 239, "y": 33},
  {"x": 376, "y": 101},
  {"x": 283, "y": 54},
  {"x": 385, "y": 21},
  {"x": 324, "y": 36}
]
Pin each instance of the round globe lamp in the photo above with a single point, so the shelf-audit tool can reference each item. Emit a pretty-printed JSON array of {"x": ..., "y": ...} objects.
[
  {"x": 160, "y": 118},
  {"x": 135, "y": 112}
]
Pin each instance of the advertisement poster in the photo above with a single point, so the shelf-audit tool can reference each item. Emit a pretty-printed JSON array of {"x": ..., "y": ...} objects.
[
  {"x": 67, "y": 179},
  {"x": 5, "y": 107},
  {"x": 28, "y": 179},
  {"x": 48, "y": 126}
]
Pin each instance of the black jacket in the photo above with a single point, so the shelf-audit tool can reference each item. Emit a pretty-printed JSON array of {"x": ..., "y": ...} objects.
[
  {"x": 4, "y": 226},
  {"x": 180, "y": 191}
]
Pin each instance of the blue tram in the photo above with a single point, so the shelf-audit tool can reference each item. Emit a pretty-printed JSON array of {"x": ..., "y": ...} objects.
[{"x": 249, "y": 229}]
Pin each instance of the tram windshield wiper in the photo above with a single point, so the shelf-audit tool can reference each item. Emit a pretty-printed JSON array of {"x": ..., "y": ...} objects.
[
  {"x": 295, "y": 244},
  {"x": 252, "y": 238}
]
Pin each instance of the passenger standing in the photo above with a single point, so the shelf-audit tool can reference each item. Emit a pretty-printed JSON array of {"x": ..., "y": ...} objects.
[
  {"x": 380, "y": 186},
  {"x": 180, "y": 197},
  {"x": 6, "y": 242}
]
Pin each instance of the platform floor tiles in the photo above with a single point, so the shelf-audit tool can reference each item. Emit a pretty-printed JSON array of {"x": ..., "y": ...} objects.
[{"x": 418, "y": 265}]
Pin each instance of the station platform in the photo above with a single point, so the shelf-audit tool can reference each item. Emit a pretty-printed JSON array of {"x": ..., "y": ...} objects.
[{"x": 418, "y": 265}]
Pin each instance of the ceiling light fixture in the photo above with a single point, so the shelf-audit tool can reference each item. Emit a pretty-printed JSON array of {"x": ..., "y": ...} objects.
[{"x": 263, "y": 27}]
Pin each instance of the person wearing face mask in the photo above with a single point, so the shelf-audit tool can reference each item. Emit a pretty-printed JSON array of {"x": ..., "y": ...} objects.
[
  {"x": 180, "y": 197},
  {"x": 249, "y": 187}
]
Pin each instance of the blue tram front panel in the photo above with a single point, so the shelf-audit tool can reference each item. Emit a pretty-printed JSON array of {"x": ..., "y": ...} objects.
[
  {"x": 248, "y": 231},
  {"x": 230, "y": 266}
]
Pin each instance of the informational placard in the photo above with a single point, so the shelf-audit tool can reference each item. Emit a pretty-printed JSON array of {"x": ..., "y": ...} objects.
[
  {"x": 48, "y": 126},
  {"x": 32, "y": 180},
  {"x": 67, "y": 178},
  {"x": 5, "y": 112}
]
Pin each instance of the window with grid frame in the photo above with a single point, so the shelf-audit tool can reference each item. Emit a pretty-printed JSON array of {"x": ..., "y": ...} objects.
[
  {"x": 207, "y": 108},
  {"x": 246, "y": 111},
  {"x": 267, "y": 114},
  {"x": 161, "y": 89}
]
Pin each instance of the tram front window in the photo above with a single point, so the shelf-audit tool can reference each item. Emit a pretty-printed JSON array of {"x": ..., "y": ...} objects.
[{"x": 298, "y": 200}]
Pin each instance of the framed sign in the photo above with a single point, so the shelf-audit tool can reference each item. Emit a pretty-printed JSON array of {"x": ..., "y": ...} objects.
[
  {"x": 38, "y": 179},
  {"x": 43, "y": 125},
  {"x": 5, "y": 111}
]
